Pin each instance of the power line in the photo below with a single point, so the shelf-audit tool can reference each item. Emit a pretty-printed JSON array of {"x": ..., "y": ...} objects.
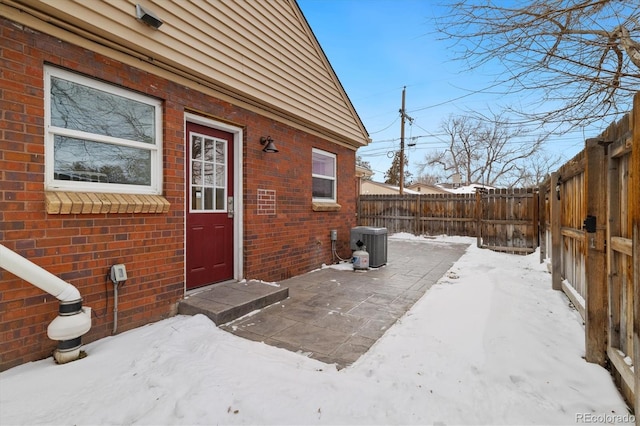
[
  {"x": 555, "y": 141},
  {"x": 471, "y": 92},
  {"x": 382, "y": 130}
]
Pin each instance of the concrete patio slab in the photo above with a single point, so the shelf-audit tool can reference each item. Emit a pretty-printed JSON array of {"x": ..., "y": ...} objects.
[{"x": 336, "y": 315}]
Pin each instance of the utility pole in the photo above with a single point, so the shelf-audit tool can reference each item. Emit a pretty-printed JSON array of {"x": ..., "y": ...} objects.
[{"x": 403, "y": 117}]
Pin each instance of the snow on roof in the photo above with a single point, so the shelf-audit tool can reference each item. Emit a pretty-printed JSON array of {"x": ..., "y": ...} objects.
[
  {"x": 386, "y": 186},
  {"x": 467, "y": 189}
]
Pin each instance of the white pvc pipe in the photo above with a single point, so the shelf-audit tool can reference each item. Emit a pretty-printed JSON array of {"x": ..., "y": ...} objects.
[{"x": 39, "y": 277}]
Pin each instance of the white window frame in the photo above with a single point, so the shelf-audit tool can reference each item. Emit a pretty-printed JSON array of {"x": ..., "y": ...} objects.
[
  {"x": 51, "y": 131},
  {"x": 333, "y": 178}
]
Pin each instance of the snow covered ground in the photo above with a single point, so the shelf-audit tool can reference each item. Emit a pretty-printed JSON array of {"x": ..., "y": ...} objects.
[{"x": 491, "y": 343}]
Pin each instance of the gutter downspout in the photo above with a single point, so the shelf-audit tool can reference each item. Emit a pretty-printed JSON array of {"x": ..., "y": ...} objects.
[{"x": 72, "y": 321}]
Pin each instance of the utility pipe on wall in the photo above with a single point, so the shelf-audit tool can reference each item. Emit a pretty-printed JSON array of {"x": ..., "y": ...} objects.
[
  {"x": 72, "y": 321},
  {"x": 115, "y": 307},
  {"x": 39, "y": 277}
]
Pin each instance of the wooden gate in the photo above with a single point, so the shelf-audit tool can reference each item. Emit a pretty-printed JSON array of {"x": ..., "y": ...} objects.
[
  {"x": 567, "y": 210},
  {"x": 508, "y": 220}
]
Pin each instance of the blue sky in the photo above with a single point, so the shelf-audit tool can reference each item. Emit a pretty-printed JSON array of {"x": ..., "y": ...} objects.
[{"x": 376, "y": 48}]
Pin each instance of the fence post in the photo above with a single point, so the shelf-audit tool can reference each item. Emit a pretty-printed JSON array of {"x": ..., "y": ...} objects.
[
  {"x": 416, "y": 230},
  {"x": 535, "y": 214},
  {"x": 478, "y": 218},
  {"x": 634, "y": 203},
  {"x": 596, "y": 300},
  {"x": 554, "y": 211},
  {"x": 542, "y": 220}
]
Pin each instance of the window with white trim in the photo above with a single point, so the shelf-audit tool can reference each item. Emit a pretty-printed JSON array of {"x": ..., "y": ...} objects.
[
  {"x": 100, "y": 137},
  {"x": 324, "y": 176}
]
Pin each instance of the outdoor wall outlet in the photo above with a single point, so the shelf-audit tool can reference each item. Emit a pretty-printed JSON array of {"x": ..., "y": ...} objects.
[
  {"x": 118, "y": 273},
  {"x": 334, "y": 235}
]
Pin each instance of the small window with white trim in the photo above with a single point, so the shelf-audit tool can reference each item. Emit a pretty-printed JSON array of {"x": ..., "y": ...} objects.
[
  {"x": 324, "y": 176},
  {"x": 100, "y": 137}
]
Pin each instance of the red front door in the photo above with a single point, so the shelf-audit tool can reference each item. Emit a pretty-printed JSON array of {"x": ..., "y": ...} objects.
[{"x": 210, "y": 204}]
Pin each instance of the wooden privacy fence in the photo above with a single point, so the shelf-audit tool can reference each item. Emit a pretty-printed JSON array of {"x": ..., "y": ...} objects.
[
  {"x": 590, "y": 218},
  {"x": 505, "y": 220},
  {"x": 431, "y": 214}
]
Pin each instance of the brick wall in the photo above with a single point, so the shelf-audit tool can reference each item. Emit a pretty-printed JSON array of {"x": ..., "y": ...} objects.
[
  {"x": 296, "y": 239},
  {"x": 81, "y": 248}
]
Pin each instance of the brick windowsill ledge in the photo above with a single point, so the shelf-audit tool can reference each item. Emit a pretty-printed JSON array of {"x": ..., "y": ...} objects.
[
  {"x": 95, "y": 203},
  {"x": 325, "y": 207}
]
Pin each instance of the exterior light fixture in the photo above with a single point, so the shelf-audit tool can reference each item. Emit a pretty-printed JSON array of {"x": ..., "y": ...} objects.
[
  {"x": 558, "y": 186},
  {"x": 148, "y": 17},
  {"x": 269, "y": 146}
]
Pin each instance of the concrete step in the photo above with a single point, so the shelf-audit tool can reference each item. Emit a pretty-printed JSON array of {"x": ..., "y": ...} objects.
[{"x": 228, "y": 301}]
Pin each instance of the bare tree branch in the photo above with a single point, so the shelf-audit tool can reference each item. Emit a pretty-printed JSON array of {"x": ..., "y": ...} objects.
[
  {"x": 581, "y": 57},
  {"x": 487, "y": 150}
]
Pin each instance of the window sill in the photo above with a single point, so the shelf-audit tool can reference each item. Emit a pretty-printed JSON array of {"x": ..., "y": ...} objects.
[
  {"x": 325, "y": 207},
  {"x": 96, "y": 203}
]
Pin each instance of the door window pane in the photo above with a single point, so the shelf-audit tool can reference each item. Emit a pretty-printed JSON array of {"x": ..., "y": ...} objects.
[
  {"x": 208, "y": 199},
  {"x": 196, "y": 148},
  {"x": 208, "y": 150},
  {"x": 220, "y": 152},
  {"x": 208, "y": 174},
  {"x": 220, "y": 196}
]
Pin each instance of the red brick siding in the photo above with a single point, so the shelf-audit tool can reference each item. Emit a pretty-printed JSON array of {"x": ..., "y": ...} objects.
[
  {"x": 296, "y": 239},
  {"x": 81, "y": 248}
]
